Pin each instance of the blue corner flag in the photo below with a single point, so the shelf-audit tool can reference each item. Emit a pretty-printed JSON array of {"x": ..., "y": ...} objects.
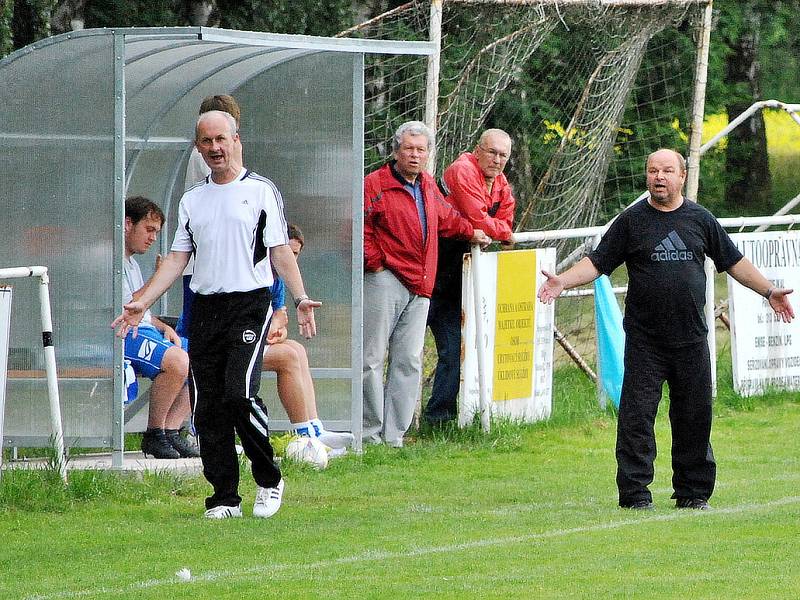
[{"x": 610, "y": 340}]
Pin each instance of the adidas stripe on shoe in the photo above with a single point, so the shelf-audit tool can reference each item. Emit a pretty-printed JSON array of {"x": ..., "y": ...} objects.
[
  {"x": 268, "y": 500},
  {"x": 223, "y": 512}
]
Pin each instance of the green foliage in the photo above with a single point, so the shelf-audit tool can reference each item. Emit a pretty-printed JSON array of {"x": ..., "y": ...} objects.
[
  {"x": 132, "y": 13},
  {"x": 6, "y": 38},
  {"x": 30, "y": 21},
  {"x": 309, "y": 18}
]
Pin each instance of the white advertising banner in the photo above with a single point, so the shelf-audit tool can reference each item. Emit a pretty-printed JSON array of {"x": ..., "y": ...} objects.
[
  {"x": 518, "y": 336},
  {"x": 765, "y": 351}
]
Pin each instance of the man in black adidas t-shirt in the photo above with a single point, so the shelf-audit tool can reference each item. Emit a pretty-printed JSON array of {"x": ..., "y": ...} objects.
[{"x": 664, "y": 241}]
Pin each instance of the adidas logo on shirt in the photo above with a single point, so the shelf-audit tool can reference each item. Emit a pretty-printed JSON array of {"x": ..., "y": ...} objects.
[{"x": 671, "y": 248}]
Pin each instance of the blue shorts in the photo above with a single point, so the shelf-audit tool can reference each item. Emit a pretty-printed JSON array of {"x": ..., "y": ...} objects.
[{"x": 147, "y": 349}]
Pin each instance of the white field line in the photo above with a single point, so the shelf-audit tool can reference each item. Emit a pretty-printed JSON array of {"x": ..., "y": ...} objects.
[{"x": 383, "y": 555}]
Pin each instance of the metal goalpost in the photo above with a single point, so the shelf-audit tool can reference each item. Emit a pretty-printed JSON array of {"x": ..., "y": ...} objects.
[{"x": 49, "y": 355}]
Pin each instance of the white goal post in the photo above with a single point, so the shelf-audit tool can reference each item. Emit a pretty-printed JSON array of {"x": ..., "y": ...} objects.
[{"x": 50, "y": 360}]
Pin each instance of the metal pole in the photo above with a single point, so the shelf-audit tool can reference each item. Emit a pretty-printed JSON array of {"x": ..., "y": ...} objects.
[
  {"x": 693, "y": 175},
  {"x": 698, "y": 104},
  {"x": 475, "y": 253},
  {"x": 6, "y": 293},
  {"x": 118, "y": 415},
  {"x": 432, "y": 80},
  {"x": 52, "y": 375}
]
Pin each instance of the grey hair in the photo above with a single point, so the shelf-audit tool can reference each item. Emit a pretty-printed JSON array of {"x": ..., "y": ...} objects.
[
  {"x": 494, "y": 132},
  {"x": 412, "y": 128},
  {"x": 212, "y": 113}
]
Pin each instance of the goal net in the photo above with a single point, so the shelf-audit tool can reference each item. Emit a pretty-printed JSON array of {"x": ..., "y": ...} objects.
[{"x": 587, "y": 88}]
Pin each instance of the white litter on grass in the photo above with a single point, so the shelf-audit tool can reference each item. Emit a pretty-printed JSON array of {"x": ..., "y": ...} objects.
[{"x": 184, "y": 574}]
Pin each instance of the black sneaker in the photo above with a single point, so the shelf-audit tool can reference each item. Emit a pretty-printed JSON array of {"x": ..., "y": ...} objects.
[
  {"x": 185, "y": 447},
  {"x": 155, "y": 443},
  {"x": 693, "y": 503},
  {"x": 640, "y": 505}
]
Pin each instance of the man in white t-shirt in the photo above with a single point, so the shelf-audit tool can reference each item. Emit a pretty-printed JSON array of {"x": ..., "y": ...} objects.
[
  {"x": 196, "y": 171},
  {"x": 234, "y": 226},
  {"x": 157, "y": 352}
]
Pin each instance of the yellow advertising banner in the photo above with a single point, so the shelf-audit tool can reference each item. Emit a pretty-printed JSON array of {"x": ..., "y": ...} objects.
[{"x": 514, "y": 325}]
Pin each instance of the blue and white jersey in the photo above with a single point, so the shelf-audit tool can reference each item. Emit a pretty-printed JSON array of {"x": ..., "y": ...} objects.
[{"x": 230, "y": 229}]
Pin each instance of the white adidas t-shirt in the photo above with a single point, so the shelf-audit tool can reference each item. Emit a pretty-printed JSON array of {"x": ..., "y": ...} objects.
[{"x": 231, "y": 228}]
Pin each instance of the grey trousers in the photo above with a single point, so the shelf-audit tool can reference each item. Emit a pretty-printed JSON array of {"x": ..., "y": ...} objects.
[{"x": 394, "y": 322}]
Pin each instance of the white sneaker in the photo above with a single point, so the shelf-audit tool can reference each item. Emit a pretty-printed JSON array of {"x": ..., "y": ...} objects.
[
  {"x": 336, "y": 439},
  {"x": 337, "y": 452},
  {"x": 223, "y": 512},
  {"x": 268, "y": 500}
]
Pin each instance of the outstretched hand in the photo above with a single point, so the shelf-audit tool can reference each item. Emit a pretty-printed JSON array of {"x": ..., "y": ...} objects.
[
  {"x": 305, "y": 317},
  {"x": 780, "y": 304},
  {"x": 550, "y": 289},
  {"x": 130, "y": 318}
]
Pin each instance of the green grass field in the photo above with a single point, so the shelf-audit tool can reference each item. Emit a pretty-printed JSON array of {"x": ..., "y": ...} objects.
[{"x": 527, "y": 512}]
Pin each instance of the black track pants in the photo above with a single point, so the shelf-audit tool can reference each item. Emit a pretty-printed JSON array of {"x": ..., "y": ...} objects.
[
  {"x": 687, "y": 370},
  {"x": 226, "y": 342}
]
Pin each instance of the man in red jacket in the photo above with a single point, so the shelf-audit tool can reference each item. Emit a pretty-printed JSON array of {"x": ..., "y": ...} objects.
[
  {"x": 404, "y": 215},
  {"x": 478, "y": 189}
]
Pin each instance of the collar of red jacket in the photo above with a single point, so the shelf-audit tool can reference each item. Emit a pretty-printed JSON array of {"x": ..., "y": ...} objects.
[{"x": 390, "y": 177}]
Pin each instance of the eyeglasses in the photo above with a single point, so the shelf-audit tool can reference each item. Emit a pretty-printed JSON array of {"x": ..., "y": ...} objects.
[{"x": 495, "y": 153}]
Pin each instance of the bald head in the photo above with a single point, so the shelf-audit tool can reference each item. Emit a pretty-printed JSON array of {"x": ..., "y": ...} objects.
[
  {"x": 666, "y": 173},
  {"x": 216, "y": 140},
  {"x": 668, "y": 153},
  {"x": 217, "y": 117}
]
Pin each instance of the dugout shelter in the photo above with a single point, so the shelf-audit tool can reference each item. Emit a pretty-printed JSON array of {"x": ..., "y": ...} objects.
[{"x": 90, "y": 117}]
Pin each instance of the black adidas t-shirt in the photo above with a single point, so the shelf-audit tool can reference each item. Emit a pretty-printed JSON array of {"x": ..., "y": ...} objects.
[{"x": 664, "y": 253}]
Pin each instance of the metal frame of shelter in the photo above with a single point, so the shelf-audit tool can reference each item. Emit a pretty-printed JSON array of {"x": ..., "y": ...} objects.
[{"x": 159, "y": 75}]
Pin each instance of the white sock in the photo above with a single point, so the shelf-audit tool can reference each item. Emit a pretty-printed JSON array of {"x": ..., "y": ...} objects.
[
  {"x": 317, "y": 425},
  {"x": 304, "y": 429}
]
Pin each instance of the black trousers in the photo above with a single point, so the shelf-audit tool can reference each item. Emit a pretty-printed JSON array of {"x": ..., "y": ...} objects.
[
  {"x": 226, "y": 343},
  {"x": 687, "y": 370},
  {"x": 444, "y": 319}
]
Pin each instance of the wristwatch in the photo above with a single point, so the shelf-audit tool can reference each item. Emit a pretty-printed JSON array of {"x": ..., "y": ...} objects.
[{"x": 299, "y": 299}]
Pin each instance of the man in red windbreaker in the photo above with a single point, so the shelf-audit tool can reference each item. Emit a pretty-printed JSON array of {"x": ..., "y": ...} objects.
[
  {"x": 404, "y": 215},
  {"x": 478, "y": 189}
]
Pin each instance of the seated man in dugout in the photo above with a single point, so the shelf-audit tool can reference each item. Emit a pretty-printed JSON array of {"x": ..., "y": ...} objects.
[
  {"x": 288, "y": 359},
  {"x": 156, "y": 352}
]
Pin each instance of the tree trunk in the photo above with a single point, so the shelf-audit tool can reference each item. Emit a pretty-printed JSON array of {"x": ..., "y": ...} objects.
[
  {"x": 747, "y": 162},
  {"x": 31, "y": 21}
]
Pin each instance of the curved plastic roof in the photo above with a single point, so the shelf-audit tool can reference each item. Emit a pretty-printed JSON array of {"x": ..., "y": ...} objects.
[{"x": 164, "y": 71}]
